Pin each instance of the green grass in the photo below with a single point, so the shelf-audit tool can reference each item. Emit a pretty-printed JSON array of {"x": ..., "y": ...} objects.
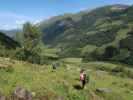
[
  {"x": 72, "y": 60},
  {"x": 52, "y": 85}
]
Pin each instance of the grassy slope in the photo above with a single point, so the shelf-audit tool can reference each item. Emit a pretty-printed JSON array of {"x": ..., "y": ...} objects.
[{"x": 49, "y": 85}]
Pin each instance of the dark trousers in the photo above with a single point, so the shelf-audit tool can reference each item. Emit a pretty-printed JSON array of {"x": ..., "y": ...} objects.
[{"x": 83, "y": 83}]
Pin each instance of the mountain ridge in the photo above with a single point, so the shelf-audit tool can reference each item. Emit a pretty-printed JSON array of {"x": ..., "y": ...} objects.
[{"x": 96, "y": 35}]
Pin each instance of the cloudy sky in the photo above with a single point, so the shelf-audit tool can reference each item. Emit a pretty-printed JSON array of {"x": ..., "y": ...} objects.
[{"x": 13, "y": 13}]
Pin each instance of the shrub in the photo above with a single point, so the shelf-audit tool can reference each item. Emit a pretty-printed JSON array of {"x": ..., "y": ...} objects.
[{"x": 117, "y": 69}]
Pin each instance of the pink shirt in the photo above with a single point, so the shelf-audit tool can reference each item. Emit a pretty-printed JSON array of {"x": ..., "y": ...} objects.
[{"x": 81, "y": 76}]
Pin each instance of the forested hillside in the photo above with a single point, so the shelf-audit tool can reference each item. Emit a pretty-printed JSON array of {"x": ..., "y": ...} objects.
[{"x": 104, "y": 33}]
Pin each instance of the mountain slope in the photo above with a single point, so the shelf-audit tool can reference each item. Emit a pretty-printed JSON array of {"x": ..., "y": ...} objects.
[
  {"x": 99, "y": 34},
  {"x": 7, "y": 41},
  {"x": 85, "y": 20},
  {"x": 11, "y": 33}
]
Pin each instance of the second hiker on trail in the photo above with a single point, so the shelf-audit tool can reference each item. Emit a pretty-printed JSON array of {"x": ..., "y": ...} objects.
[
  {"x": 82, "y": 78},
  {"x": 55, "y": 65}
]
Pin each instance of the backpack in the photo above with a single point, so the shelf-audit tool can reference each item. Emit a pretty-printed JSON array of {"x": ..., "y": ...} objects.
[{"x": 87, "y": 78}]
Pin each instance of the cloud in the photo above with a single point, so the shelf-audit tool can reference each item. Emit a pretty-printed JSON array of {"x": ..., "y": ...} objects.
[
  {"x": 4, "y": 26},
  {"x": 37, "y": 22},
  {"x": 14, "y": 15},
  {"x": 9, "y": 20},
  {"x": 20, "y": 22}
]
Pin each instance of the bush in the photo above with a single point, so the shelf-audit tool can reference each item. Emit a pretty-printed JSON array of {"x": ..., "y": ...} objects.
[
  {"x": 118, "y": 69},
  {"x": 110, "y": 52},
  {"x": 122, "y": 71},
  {"x": 129, "y": 60}
]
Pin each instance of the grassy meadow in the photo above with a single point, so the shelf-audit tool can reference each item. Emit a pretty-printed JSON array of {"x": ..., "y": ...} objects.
[{"x": 60, "y": 84}]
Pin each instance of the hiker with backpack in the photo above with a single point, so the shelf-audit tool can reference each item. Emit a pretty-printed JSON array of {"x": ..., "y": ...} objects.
[
  {"x": 55, "y": 65},
  {"x": 82, "y": 78}
]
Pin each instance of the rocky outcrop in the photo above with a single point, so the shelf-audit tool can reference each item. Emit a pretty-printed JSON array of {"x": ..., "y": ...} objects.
[
  {"x": 2, "y": 97},
  {"x": 103, "y": 90},
  {"x": 21, "y": 94}
]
